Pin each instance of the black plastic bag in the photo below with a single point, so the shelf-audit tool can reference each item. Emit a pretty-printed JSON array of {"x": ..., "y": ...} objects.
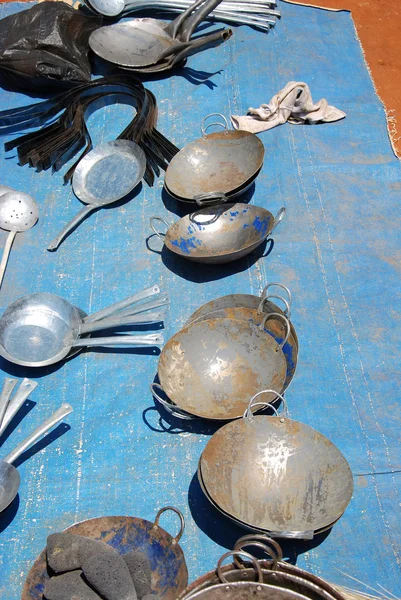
[{"x": 46, "y": 47}]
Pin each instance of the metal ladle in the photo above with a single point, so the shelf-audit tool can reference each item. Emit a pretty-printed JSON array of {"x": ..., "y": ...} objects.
[
  {"x": 105, "y": 175},
  {"x": 18, "y": 212},
  {"x": 9, "y": 476}
]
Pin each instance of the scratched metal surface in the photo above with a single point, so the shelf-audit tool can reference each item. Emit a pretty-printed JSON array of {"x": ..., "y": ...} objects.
[{"x": 338, "y": 250}]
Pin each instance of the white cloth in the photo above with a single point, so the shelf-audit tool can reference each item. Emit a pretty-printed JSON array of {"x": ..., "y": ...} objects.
[{"x": 293, "y": 104}]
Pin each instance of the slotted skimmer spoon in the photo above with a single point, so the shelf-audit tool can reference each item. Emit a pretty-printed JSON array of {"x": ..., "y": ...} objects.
[
  {"x": 18, "y": 212},
  {"x": 9, "y": 476},
  {"x": 105, "y": 175}
]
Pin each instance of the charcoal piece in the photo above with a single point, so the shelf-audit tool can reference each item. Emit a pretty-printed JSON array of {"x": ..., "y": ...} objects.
[
  {"x": 109, "y": 575},
  {"x": 69, "y": 586},
  {"x": 139, "y": 567},
  {"x": 66, "y": 552}
]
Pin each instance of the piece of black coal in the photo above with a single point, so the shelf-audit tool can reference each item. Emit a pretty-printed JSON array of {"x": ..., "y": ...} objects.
[
  {"x": 109, "y": 575},
  {"x": 139, "y": 567},
  {"x": 67, "y": 552},
  {"x": 69, "y": 586}
]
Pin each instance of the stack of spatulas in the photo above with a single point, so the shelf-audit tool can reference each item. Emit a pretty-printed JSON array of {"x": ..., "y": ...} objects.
[{"x": 64, "y": 133}]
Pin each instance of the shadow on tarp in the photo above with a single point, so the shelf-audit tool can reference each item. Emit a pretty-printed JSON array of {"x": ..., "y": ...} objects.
[{"x": 225, "y": 533}]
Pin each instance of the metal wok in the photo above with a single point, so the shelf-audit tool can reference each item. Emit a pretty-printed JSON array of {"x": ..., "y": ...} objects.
[
  {"x": 208, "y": 368},
  {"x": 289, "y": 479},
  {"x": 125, "y": 534},
  {"x": 220, "y": 234},
  {"x": 211, "y": 168}
]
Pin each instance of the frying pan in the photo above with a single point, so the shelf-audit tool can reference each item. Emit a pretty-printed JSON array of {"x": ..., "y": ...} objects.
[
  {"x": 275, "y": 572},
  {"x": 126, "y": 534},
  {"x": 289, "y": 479},
  {"x": 40, "y": 329},
  {"x": 208, "y": 368},
  {"x": 220, "y": 234},
  {"x": 207, "y": 170}
]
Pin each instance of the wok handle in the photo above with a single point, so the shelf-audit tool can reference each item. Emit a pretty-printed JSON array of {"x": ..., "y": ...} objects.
[
  {"x": 114, "y": 322},
  {"x": 153, "y": 228},
  {"x": 210, "y": 198},
  {"x": 248, "y": 414},
  {"x": 117, "y": 306},
  {"x": 55, "y": 418},
  {"x": 153, "y": 339},
  {"x": 182, "y": 522},
  {"x": 286, "y": 323},
  {"x": 175, "y": 412},
  {"x": 224, "y": 125},
  {"x": 270, "y": 546},
  {"x": 280, "y": 285},
  {"x": 277, "y": 219},
  {"x": 6, "y": 254},
  {"x": 253, "y": 560},
  {"x": 54, "y": 244},
  {"x": 8, "y": 386},
  {"x": 287, "y": 310},
  {"x": 25, "y": 388}
]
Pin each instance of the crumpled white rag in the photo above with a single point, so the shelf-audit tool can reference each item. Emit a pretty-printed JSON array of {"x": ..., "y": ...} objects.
[{"x": 293, "y": 104}]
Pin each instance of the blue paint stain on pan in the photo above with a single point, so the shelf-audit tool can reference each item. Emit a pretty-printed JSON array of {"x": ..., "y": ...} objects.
[
  {"x": 125, "y": 534},
  {"x": 185, "y": 245}
]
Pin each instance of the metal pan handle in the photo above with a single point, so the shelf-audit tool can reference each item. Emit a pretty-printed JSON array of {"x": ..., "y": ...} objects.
[
  {"x": 285, "y": 321},
  {"x": 210, "y": 198},
  {"x": 241, "y": 544},
  {"x": 153, "y": 228},
  {"x": 277, "y": 219},
  {"x": 248, "y": 413},
  {"x": 182, "y": 522},
  {"x": 287, "y": 310},
  {"x": 175, "y": 412},
  {"x": 273, "y": 546},
  {"x": 280, "y": 285},
  {"x": 224, "y": 125},
  {"x": 253, "y": 560},
  {"x": 25, "y": 388}
]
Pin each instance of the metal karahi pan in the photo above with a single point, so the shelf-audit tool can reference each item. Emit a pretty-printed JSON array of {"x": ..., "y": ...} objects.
[
  {"x": 208, "y": 368},
  {"x": 244, "y": 585},
  {"x": 252, "y": 302},
  {"x": 125, "y": 534},
  {"x": 273, "y": 326},
  {"x": 275, "y": 572},
  {"x": 220, "y": 234},
  {"x": 290, "y": 480},
  {"x": 212, "y": 168}
]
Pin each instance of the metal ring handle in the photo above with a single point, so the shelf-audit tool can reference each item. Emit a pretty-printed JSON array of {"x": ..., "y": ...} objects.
[
  {"x": 286, "y": 323},
  {"x": 280, "y": 285},
  {"x": 265, "y": 540},
  {"x": 248, "y": 413},
  {"x": 177, "y": 538},
  {"x": 287, "y": 310},
  {"x": 254, "y": 561},
  {"x": 175, "y": 413},
  {"x": 204, "y": 129},
  {"x": 160, "y": 235},
  {"x": 210, "y": 198},
  {"x": 269, "y": 551}
]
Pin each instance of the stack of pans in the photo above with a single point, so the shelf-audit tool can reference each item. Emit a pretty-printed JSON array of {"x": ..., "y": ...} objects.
[
  {"x": 229, "y": 349},
  {"x": 271, "y": 578},
  {"x": 275, "y": 476},
  {"x": 215, "y": 168}
]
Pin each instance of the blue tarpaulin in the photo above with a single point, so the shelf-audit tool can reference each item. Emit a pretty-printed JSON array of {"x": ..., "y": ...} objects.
[{"x": 338, "y": 250}]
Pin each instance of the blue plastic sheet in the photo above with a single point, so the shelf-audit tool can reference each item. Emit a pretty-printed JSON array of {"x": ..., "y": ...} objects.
[{"x": 339, "y": 252}]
